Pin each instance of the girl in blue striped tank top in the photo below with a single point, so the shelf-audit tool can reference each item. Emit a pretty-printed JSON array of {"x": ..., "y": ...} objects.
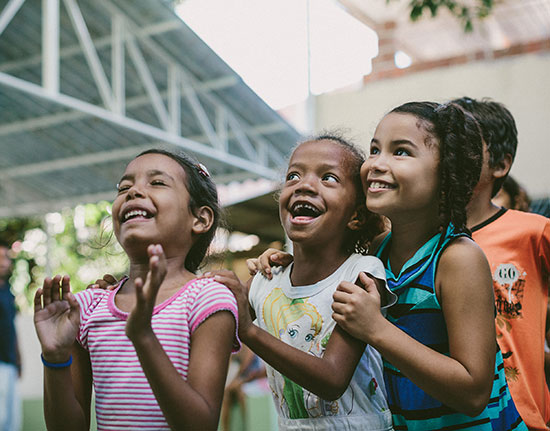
[{"x": 442, "y": 366}]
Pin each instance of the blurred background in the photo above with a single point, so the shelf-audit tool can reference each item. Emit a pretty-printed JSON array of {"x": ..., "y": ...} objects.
[{"x": 86, "y": 85}]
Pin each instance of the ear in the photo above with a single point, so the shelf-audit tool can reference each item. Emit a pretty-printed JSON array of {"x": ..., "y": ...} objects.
[
  {"x": 502, "y": 168},
  {"x": 204, "y": 217},
  {"x": 358, "y": 218}
]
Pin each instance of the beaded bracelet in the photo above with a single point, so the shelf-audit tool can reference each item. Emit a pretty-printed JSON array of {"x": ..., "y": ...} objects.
[{"x": 57, "y": 364}]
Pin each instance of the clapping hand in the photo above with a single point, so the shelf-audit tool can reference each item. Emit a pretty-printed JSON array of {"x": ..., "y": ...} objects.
[
  {"x": 139, "y": 319},
  {"x": 56, "y": 318}
]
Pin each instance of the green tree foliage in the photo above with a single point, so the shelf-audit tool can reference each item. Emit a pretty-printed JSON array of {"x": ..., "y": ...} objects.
[
  {"x": 78, "y": 242},
  {"x": 465, "y": 11}
]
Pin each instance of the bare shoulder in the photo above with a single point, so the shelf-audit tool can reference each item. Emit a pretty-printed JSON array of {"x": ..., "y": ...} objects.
[
  {"x": 463, "y": 268},
  {"x": 463, "y": 252}
]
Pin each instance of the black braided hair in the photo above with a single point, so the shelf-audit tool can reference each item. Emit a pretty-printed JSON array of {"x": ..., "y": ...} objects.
[{"x": 460, "y": 155}]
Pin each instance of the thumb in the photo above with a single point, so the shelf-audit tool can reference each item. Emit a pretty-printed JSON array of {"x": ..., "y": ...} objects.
[
  {"x": 138, "y": 284},
  {"x": 74, "y": 313},
  {"x": 368, "y": 283}
]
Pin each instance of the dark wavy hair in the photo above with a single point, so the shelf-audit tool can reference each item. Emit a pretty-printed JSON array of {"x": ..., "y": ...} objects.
[
  {"x": 498, "y": 128},
  {"x": 356, "y": 241},
  {"x": 202, "y": 192},
  {"x": 460, "y": 155}
]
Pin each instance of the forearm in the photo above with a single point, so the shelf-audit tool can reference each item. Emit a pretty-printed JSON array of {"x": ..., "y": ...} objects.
[
  {"x": 183, "y": 407},
  {"x": 326, "y": 377},
  {"x": 432, "y": 371},
  {"x": 62, "y": 411}
]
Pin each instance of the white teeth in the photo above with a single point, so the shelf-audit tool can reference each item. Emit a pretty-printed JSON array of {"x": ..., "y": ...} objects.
[
  {"x": 135, "y": 213},
  {"x": 300, "y": 207},
  {"x": 305, "y": 206},
  {"x": 376, "y": 185}
]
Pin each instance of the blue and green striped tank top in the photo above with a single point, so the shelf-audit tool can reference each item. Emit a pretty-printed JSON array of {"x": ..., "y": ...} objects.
[{"x": 418, "y": 313}]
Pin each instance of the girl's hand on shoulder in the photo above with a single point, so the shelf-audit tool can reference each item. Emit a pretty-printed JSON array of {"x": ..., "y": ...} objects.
[
  {"x": 270, "y": 257},
  {"x": 108, "y": 282},
  {"x": 234, "y": 284},
  {"x": 56, "y": 318},
  {"x": 139, "y": 319},
  {"x": 357, "y": 308}
]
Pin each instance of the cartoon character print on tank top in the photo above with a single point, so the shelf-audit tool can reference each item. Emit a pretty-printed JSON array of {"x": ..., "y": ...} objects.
[{"x": 297, "y": 322}]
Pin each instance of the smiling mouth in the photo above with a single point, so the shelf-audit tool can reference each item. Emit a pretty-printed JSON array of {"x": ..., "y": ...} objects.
[
  {"x": 136, "y": 214},
  {"x": 376, "y": 185},
  {"x": 304, "y": 211}
]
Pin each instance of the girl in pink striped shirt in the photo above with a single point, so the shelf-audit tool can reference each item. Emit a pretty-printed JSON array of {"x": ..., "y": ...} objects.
[{"x": 156, "y": 348}]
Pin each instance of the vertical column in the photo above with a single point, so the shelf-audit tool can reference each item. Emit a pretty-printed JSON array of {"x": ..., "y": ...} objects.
[
  {"x": 118, "y": 64},
  {"x": 385, "y": 60},
  {"x": 50, "y": 46}
]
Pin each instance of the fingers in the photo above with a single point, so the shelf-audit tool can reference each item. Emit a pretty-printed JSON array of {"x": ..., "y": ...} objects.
[
  {"x": 281, "y": 258},
  {"x": 347, "y": 287},
  {"x": 47, "y": 291},
  {"x": 74, "y": 309},
  {"x": 264, "y": 263},
  {"x": 108, "y": 282},
  {"x": 157, "y": 263},
  {"x": 38, "y": 300},
  {"x": 230, "y": 280},
  {"x": 109, "y": 279},
  {"x": 253, "y": 266},
  {"x": 140, "y": 298},
  {"x": 65, "y": 287},
  {"x": 56, "y": 284},
  {"x": 369, "y": 284}
]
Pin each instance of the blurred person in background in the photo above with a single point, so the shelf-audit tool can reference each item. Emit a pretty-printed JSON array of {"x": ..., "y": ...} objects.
[
  {"x": 512, "y": 196},
  {"x": 10, "y": 358}
]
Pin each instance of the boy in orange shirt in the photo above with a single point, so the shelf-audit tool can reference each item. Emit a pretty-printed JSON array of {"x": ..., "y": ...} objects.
[{"x": 517, "y": 245}]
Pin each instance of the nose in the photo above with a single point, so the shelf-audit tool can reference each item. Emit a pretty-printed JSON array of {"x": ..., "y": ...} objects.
[
  {"x": 134, "y": 192},
  {"x": 306, "y": 185},
  {"x": 374, "y": 163}
]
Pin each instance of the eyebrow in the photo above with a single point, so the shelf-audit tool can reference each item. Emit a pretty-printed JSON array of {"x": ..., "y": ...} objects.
[
  {"x": 395, "y": 142},
  {"x": 150, "y": 173},
  {"x": 325, "y": 166}
]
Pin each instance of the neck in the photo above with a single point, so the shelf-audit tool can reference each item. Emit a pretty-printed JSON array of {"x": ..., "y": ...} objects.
[
  {"x": 480, "y": 207},
  {"x": 313, "y": 265},
  {"x": 407, "y": 237}
]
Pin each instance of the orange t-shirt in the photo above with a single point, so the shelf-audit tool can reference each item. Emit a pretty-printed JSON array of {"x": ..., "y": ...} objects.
[{"x": 517, "y": 245}]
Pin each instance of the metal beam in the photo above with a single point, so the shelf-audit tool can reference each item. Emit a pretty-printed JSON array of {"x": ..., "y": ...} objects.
[
  {"x": 118, "y": 64},
  {"x": 199, "y": 112},
  {"x": 165, "y": 57},
  {"x": 137, "y": 126},
  {"x": 9, "y": 12},
  {"x": 50, "y": 45},
  {"x": 99, "y": 43},
  {"x": 174, "y": 100},
  {"x": 72, "y": 162},
  {"x": 90, "y": 53}
]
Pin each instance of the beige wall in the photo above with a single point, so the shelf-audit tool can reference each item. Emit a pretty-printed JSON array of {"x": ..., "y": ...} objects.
[{"x": 522, "y": 83}]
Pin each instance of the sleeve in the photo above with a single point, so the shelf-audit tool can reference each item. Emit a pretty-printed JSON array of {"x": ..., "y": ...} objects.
[
  {"x": 373, "y": 266},
  {"x": 86, "y": 302},
  {"x": 254, "y": 290},
  {"x": 211, "y": 298}
]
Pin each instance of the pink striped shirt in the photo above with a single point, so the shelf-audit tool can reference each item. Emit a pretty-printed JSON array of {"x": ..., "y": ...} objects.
[{"x": 124, "y": 399}]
